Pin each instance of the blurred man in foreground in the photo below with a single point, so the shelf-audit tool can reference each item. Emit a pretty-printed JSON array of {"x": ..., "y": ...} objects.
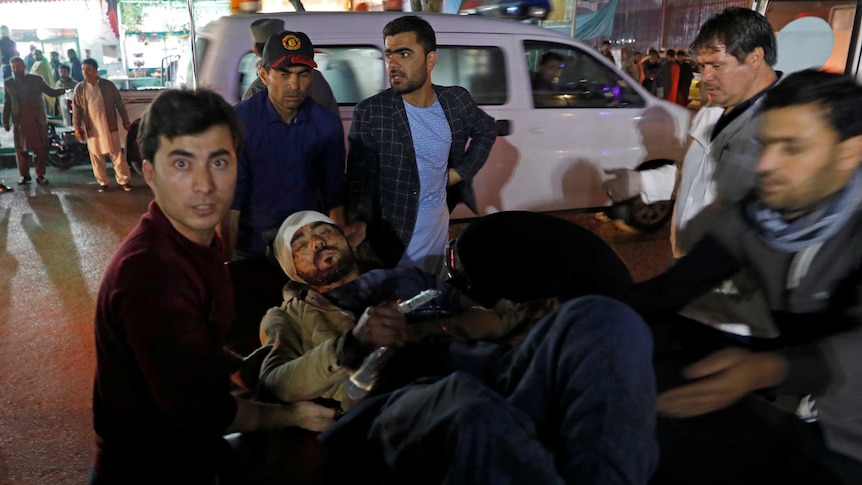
[{"x": 800, "y": 231}]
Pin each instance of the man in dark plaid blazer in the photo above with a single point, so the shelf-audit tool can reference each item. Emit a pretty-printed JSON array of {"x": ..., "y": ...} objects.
[{"x": 401, "y": 163}]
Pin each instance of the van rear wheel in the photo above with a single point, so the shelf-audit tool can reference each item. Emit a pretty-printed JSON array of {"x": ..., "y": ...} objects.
[{"x": 638, "y": 217}]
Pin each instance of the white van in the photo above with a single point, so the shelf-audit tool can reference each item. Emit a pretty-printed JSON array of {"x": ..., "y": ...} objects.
[{"x": 553, "y": 145}]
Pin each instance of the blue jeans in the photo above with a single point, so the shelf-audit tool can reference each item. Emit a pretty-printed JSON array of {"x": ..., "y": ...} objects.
[{"x": 574, "y": 403}]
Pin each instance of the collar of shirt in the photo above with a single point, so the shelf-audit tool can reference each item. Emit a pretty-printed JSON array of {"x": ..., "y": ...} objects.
[
  {"x": 737, "y": 110},
  {"x": 273, "y": 116}
]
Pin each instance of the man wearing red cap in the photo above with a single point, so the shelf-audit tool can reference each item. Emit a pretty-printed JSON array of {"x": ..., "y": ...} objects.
[{"x": 292, "y": 158}]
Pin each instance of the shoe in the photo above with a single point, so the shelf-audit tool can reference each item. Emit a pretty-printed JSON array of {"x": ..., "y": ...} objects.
[
  {"x": 4, "y": 188},
  {"x": 41, "y": 180},
  {"x": 126, "y": 187},
  {"x": 24, "y": 180},
  {"x": 103, "y": 188}
]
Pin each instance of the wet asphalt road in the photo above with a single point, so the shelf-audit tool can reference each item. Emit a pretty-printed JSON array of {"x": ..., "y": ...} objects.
[{"x": 55, "y": 241}]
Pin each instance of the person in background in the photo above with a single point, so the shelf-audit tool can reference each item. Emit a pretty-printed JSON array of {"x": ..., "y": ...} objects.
[
  {"x": 687, "y": 68},
  {"x": 55, "y": 64},
  {"x": 75, "y": 64},
  {"x": 545, "y": 77},
  {"x": 668, "y": 79},
  {"x": 634, "y": 67},
  {"x": 606, "y": 51},
  {"x": 651, "y": 67},
  {"x": 162, "y": 396},
  {"x": 42, "y": 68},
  {"x": 30, "y": 58},
  {"x": 96, "y": 103},
  {"x": 8, "y": 50},
  {"x": 319, "y": 90},
  {"x": 65, "y": 80},
  {"x": 409, "y": 162},
  {"x": 25, "y": 109}
]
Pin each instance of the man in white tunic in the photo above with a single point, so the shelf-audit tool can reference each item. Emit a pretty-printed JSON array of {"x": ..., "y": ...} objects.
[{"x": 96, "y": 103}]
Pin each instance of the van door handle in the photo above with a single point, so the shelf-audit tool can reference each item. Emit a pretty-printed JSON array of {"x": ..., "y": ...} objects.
[
  {"x": 504, "y": 127},
  {"x": 538, "y": 128}
]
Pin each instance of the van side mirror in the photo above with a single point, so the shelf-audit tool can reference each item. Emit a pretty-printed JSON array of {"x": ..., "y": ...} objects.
[{"x": 504, "y": 127}]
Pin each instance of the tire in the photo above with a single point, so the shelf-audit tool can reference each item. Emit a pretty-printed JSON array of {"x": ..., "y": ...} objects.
[
  {"x": 637, "y": 217},
  {"x": 62, "y": 160}
]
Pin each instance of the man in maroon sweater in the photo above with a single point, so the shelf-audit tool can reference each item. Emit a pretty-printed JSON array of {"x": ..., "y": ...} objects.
[{"x": 162, "y": 400}]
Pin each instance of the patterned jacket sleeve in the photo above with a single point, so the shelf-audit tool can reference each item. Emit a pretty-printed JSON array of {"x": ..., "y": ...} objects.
[
  {"x": 480, "y": 130},
  {"x": 362, "y": 166}
]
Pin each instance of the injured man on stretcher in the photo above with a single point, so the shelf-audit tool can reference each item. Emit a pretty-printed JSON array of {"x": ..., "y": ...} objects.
[{"x": 573, "y": 402}]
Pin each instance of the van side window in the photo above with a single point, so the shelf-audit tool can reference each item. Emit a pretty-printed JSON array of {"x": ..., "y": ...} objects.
[
  {"x": 564, "y": 76},
  {"x": 480, "y": 70},
  {"x": 247, "y": 72},
  {"x": 353, "y": 72}
]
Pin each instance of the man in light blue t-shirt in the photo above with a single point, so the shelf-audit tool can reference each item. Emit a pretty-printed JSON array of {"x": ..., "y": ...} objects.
[{"x": 408, "y": 159}]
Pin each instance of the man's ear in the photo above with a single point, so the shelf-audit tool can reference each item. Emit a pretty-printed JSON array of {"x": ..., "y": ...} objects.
[
  {"x": 355, "y": 234},
  {"x": 432, "y": 60},
  {"x": 755, "y": 57},
  {"x": 147, "y": 169},
  {"x": 851, "y": 153}
]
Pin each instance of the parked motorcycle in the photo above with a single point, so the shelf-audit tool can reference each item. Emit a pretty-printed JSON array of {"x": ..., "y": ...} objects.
[{"x": 64, "y": 150}]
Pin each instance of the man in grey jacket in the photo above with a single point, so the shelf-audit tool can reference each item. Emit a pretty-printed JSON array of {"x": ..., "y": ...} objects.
[
  {"x": 96, "y": 103},
  {"x": 737, "y": 49}
]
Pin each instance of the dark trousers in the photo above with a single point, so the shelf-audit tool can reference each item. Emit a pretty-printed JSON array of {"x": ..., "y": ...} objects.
[
  {"x": 574, "y": 403},
  {"x": 40, "y": 157}
]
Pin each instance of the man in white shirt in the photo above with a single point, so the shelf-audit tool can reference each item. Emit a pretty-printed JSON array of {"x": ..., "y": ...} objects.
[
  {"x": 96, "y": 103},
  {"x": 719, "y": 165}
]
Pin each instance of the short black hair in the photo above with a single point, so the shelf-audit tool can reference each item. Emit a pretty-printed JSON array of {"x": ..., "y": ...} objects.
[
  {"x": 63, "y": 66},
  {"x": 740, "y": 31},
  {"x": 183, "y": 112},
  {"x": 90, "y": 62},
  {"x": 425, "y": 35},
  {"x": 837, "y": 94},
  {"x": 550, "y": 56}
]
